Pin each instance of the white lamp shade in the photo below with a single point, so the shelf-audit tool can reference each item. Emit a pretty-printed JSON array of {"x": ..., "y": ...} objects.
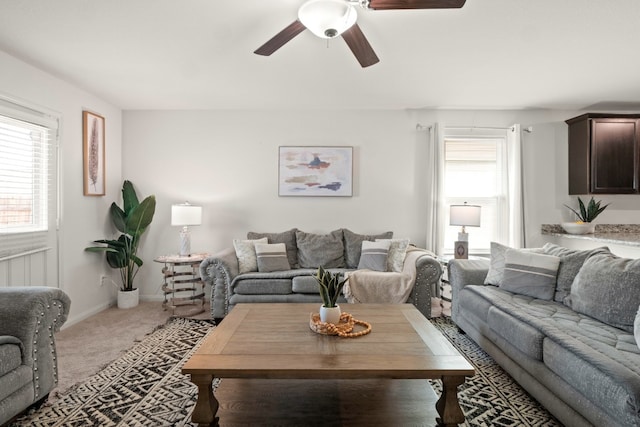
[
  {"x": 465, "y": 215},
  {"x": 327, "y": 18},
  {"x": 186, "y": 214}
]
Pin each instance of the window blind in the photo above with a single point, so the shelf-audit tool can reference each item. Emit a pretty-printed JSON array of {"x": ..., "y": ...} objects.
[{"x": 28, "y": 140}]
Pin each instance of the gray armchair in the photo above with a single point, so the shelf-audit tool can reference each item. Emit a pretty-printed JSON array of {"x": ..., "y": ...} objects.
[{"x": 29, "y": 316}]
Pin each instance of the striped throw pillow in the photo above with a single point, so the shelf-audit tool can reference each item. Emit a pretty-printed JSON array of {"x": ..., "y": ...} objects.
[
  {"x": 373, "y": 255},
  {"x": 272, "y": 257},
  {"x": 531, "y": 274}
]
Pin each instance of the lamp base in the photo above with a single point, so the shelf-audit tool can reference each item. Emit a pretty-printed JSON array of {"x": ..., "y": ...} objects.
[
  {"x": 185, "y": 242},
  {"x": 463, "y": 236},
  {"x": 461, "y": 250}
]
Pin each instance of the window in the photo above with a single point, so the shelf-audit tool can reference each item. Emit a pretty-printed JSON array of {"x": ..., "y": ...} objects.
[
  {"x": 27, "y": 179},
  {"x": 475, "y": 172}
]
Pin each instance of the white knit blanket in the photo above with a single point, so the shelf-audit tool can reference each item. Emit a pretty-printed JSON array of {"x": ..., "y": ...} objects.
[{"x": 367, "y": 286}]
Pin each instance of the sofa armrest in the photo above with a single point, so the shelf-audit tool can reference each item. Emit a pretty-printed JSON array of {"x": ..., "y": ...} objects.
[
  {"x": 32, "y": 314},
  {"x": 428, "y": 273},
  {"x": 464, "y": 272},
  {"x": 219, "y": 270}
]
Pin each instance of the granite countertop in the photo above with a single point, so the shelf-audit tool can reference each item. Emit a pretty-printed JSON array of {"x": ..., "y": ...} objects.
[{"x": 620, "y": 234}]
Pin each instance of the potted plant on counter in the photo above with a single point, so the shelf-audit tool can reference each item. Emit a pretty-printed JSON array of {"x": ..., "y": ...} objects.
[
  {"x": 330, "y": 286},
  {"x": 586, "y": 215},
  {"x": 131, "y": 221}
]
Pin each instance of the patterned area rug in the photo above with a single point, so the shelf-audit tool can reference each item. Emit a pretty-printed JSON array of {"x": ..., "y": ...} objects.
[
  {"x": 491, "y": 397},
  {"x": 144, "y": 387}
]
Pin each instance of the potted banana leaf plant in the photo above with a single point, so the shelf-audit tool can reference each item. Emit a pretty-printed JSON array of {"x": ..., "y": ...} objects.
[
  {"x": 131, "y": 221},
  {"x": 330, "y": 286}
]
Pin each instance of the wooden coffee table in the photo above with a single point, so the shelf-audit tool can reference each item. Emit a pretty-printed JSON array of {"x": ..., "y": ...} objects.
[{"x": 274, "y": 342}]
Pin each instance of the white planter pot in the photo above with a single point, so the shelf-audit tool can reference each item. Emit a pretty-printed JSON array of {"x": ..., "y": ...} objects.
[
  {"x": 128, "y": 299},
  {"x": 579, "y": 228},
  {"x": 330, "y": 314}
]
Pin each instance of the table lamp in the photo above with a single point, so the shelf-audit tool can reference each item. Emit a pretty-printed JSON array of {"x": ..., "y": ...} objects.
[
  {"x": 184, "y": 215},
  {"x": 466, "y": 216}
]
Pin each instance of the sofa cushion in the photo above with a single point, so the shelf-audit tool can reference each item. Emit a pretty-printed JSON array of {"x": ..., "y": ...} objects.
[
  {"x": 287, "y": 237},
  {"x": 397, "y": 252},
  {"x": 307, "y": 284},
  {"x": 272, "y": 257},
  {"x": 374, "y": 255},
  {"x": 315, "y": 250},
  {"x": 607, "y": 288},
  {"x": 304, "y": 285},
  {"x": 636, "y": 328},
  {"x": 353, "y": 245},
  {"x": 10, "y": 354},
  {"x": 612, "y": 386},
  {"x": 18, "y": 382},
  {"x": 246, "y": 254},
  {"x": 519, "y": 334},
  {"x": 247, "y": 285},
  {"x": 529, "y": 273},
  {"x": 571, "y": 261}
]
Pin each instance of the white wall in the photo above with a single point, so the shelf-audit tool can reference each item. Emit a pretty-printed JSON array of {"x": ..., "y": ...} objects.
[
  {"x": 82, "y": 218},
  {"x": 227, "y": 161}
]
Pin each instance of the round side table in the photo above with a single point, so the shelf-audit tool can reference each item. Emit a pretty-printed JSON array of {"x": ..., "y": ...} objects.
[{"x": 182, "y": 283}]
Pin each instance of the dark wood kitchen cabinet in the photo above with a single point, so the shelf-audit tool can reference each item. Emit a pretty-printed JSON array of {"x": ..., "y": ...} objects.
[{"x": 604, "y": 153}]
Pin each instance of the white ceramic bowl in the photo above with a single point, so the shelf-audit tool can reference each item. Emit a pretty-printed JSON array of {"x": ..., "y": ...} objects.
[{"x": 579, "y": 228}]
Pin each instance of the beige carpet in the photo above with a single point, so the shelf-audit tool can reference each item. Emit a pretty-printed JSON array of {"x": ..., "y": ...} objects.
[{"x": 87, "y": 346}]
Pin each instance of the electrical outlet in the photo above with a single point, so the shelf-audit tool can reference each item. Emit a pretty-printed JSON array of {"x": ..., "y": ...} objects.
[{"x": 103, "y": 280}]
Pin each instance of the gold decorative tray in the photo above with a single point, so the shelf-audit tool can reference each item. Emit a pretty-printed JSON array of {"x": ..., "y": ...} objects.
[{"x": 343, "y": 329}]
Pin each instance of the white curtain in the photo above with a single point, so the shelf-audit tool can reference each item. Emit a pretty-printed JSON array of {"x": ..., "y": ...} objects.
[
  {"x": 515, "y": 187},
  {"x": 435, "y": 218}
]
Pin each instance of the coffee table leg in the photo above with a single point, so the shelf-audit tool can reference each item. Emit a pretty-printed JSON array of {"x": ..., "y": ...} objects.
[
  {"x": 204, "y": 414},
  {"x": 448, "y": 406}
]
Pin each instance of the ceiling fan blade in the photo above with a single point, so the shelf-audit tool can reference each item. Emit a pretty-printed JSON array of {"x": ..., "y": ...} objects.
[
  {"x": 415, "y": 4},
  {"x": 280, "y": 39},
  {"x": 359, "y": 45}
]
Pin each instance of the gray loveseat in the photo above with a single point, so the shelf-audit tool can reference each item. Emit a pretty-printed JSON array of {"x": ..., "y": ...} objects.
[
  {"x": 574, "y": 352},
  {"x": 338, "y": 251},
  {"x": 29, "y": 316}
]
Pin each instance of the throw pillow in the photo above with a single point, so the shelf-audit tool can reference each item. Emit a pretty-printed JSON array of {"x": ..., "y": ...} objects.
[
  {"x": 636, "y": 328},
  {"x": 607, "y": 288},
  {"x": 397, "y": 252},
  {"x": 570, "y": 262},
  {"x": 530, "y": 274},
  {"x": 374, "y": 255},
  {"x": 246, "y": 254},
  {"x": 353, "y": 245},
  {"x": 495, "y": 275},
  {"x": 272, "y": 257},
  {"x": 287, "y": 237},
  {"x": 315, "y": 250}
]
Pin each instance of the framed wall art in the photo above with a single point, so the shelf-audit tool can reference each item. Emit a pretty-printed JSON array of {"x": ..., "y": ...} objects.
[
  {"x": 93, "y": 142},
  {"x": 315, "y": 171}
]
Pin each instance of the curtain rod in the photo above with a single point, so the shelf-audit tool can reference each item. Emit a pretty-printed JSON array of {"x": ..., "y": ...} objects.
[{"x": 420, "y": 127}]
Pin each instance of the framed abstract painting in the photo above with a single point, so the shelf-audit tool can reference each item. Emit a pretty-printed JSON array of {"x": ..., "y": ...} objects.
[
  {"x": 93, "y": 153},
  {"x": 315, "y": 171}
]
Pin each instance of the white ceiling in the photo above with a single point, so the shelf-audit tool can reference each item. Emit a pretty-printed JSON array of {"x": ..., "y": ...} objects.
[{"x": 198, "y": 54}]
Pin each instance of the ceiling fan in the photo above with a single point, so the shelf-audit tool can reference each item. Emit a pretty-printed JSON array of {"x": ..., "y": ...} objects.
[{"x": 332, "y": 18}]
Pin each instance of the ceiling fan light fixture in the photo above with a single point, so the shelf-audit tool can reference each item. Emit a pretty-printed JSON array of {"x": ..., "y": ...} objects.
[{"x": 327, "y": 18}]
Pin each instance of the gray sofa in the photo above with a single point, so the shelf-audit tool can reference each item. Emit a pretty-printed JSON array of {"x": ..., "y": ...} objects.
[
  {"x": 574, "y": 352},
  {"x": 29, "y": 316},
  {"x": 338, "y": 251}
]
